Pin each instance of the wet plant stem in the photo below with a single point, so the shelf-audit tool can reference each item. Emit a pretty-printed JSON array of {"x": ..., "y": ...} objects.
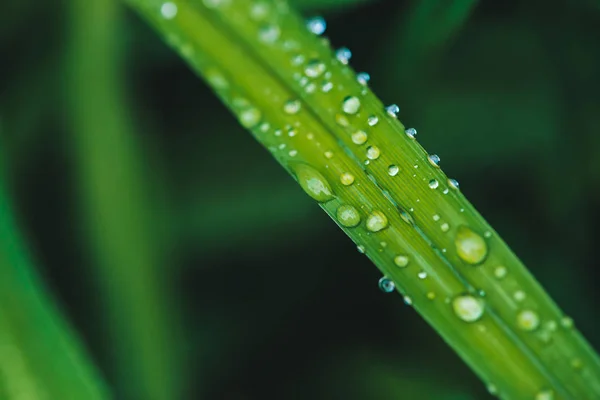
[{"x": 322, "y": 123}]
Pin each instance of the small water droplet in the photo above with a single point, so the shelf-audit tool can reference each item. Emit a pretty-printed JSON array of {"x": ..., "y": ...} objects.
[
  {"x": 492, "y": 389},
  {"x": 545, "y": 395},
  {"x": 361, "y": 249},
  {"x": 343, "y": 54},
  {"x": 468, "y": 308},
  {"x": 351, "y": 105},
  {"x": 328, "y": 154},
  {"x": 269, "y": 33},
  {"x": 433, "y": 184},
  {"x": 422, "y": 275},
  {"x": 347, "y": 179},
  {"x": 168, "y": 10},
  {"x": 316, "y": 25},
  {"x": 470, "y": 246},
  {"x": 487, "y": 234},
  {"x": 392, "y": 110},
  {"x": 314, "y": 68},
  {"x": 359, "y": 137},
  {"x": 453, "y": 183},
  {"x": 348, "y": 216},
  {"x": 259, "y": 11},
  {"x": 519, "y": 296},
  {"x": 430, "y": 295},
  {"x": 567, "y": 322},
  {"x": 576, "y": 364},
  {"x": 372, "y": 120},
  {"x": 313, "y": 183},
  {"x": 326, "y": 87},
  {"x": 407, "y": 300},
  {"x": 551, "y": 325},
  {"x": 386, "y": 285},
  {"x": 500, "y": 272},
  {"x": 377, "y": 221},
  {"x": 250, "y": 117},
  {"x": 436, "y": 217},
  {"x": 373, "y": 152},
  {"x": 401, "y": 260},
  {"x": 393, "y": 170},
  {"x": 293, "y": 153},
  {"x": 363, "y": 78},
  {"x": 411, "y": 133},
  {"x": 292, "y": 106},
  {"x": 528, "y": 320},
  {"x": 445, "y": 227},
  {"x": 434, "y": 160}
]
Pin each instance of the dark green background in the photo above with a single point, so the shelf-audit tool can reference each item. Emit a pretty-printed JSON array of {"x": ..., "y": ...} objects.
[{"x": 273, "y": 301}]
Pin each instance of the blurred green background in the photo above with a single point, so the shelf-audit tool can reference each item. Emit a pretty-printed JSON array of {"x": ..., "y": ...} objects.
[{"x": 193, "y": 267}]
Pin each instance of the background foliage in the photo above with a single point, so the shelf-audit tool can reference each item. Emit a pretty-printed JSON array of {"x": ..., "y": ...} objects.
[{"x": 233, "y": 278}]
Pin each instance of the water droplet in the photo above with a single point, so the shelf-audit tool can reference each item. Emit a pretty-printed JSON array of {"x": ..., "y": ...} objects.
[
  {"x": 436, "y": 217},
  {"x": 453, "y": 183},
  {"x": 430, "y": 295},
  {"x": 292, "y": 106},
  {"x": 500, "y": 272},
  {"x": 468, "y": 308},
  {"x": 386, "y": 285},
  {"x": 259, "y": 11},
  {"x": 434, "y": 160},
  {"x": 519, "y": 295},
  {"x": 433, "y": 184},
  {"x": 326, "y": 87},
  {"x": 347, "y": 179},
  {"x": 373, "y": 152},
  {"x": 487, "y": 234},
  {"x": 168, "y": 10},
  {"x": 567, "y": 322},
  {"x": 341, "y": 120},
  {"x": 407, "y": 300},
  {"x": 377, "y": 221},
  {"x": 313, "y": 183},
  {"x": 411, "y": 133},
  {"x": 351, "y": 105},
  {"x": 269, "y": 33},
  {"x": 393, "y": 110},
  {"x": 314, "y": 69},
  {"x": 293, "y": 153},
  {"x": 361, "y": 249},
  {"x": 348, "y": 216},
  {"x": 528, "y": 320},
  {"x": 393, "y": 170},
  {"x": 372, "y": 120},
  {"x": 576, "y": 363},
  {"x": 492, "y": 389},
  {"x": 250, "y": 117},
  {"x": 422, "y": 275},
  {"x": 545, "y": 395},
  {"x": 445, "y": 227},
  {"x": 316, "y": 25},
  {"x": 328, "y": 154},
  {"x": 359, "y": 137},
  {"x": 470, "y": 246},
  {"x": 401, "y": 260},
  {"x": 363, "y": 78},
  {"x": 551, "y": 325},
  {"x": 343, "y": 54}
]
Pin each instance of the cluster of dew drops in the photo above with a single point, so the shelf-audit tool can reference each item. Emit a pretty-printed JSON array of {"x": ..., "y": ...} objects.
[{"x": 470, "y": 246}]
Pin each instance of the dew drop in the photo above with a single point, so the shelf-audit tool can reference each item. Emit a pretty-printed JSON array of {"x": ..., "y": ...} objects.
[
  {"x": 445, "y": 227},
  {"x": 433, "y": 184},
  {"x": 470, "y": 246},
  {"x": 341, "y": 120},
  {"x": 386, "y": 285},
  {"x": 313, "y": 183},
  {"x": 407, "y": 300},
  {"x": 545, "y": 395},
  {"x": 326, "y": 87},
  {"x": 468, "y": 308},
  {"x": 411, "y": 133},
  {"x": 434, "y": 160},
  {"x": 269, "y": 33},
  {"x": 314, "y": 69},
  {"x": 351, "y": 105},
  {"x": 373, "y": 152},
  {"x": 393, "y": 110},
  {"x": 393, "y": 170},
  {"x": 436, "y": 217},
  {"x": 528, "y": 320},
  {"x": 250, "y": 117},
  {"x": 453, "y": 183},
  {"x": 316, "y": 25},
  {"x": 363, "y": 78},
  {"x": 361, "y": 249},
  {"x": 576, "y": 363},
  {"x": 328, "y": 154},
  {"x": 372, "y": 120},
  {"x": 422, "y": 275},
  {"x": 292, "y": 106},
  {"x": 348, "y": 216},
  {"x": 567, "y": 322},
  {"x": 343, "y": 54},
  {"x": 259, "y": 11},
  {"x": 293, "y": 153},
  {"x": 168, "y": 10},
  {"x": 359, "y": 137},
  {"x": 430, "y": 295},
  {"x": 519, "y": 296},
  {"x": 347, "y": 179},
  {"x": 492, "y": 389},
  {"x": 401, "y": 260},
  {"x": 500, "y": 272},
  {"x": 377, "y": 221}
]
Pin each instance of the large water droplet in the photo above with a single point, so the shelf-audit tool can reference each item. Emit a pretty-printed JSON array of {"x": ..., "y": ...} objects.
[
  {"x": 545, "y": 395},
  {"x": 348, "y": 216},
  {"x": 292, "y": 106},
  {"x": 316, "y": 25},
  {"x": 343, "y": 54},
  {"x": 250, "y": 117},
  {"x": 434, "y": 160},
  {"x": 411, "y": 133},
  {"x": 269, "y": 33},
  {"x": 168, "y": 10},
  {"x": 363, "y": 78},
  {"x": 313, "y": 183},
  {"x": 453, "y": 183},
  {"x": 359, "y": 137},
  {"x": 372, "y": 120},
  {"x": 314, "y": 69},
  {"x": 528, "y": 320},
  {"x": 386, "y": 285},
  {"x": 401, "y": 260},
  {"x": 373, "y": 152},
  {"x": 347, "y": 179},
  {"x": 376, "y": 221},
  {"x": 351, "y": 105},
  {"x": 393, "y": 170},
  {"x": 468, "y": 308},
  {"x": 470, "y": 246},
  {"x": 393, "y": 110},
  {"x": 433, "y": 184}
]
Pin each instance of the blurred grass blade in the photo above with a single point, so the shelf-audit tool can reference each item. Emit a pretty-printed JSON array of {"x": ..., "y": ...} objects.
[
  {"x": 119, "y": 215},
  {"x": 40, "y": 356}
]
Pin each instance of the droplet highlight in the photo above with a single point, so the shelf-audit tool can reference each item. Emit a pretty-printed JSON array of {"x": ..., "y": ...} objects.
[{"x": 316, "y": 25}]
